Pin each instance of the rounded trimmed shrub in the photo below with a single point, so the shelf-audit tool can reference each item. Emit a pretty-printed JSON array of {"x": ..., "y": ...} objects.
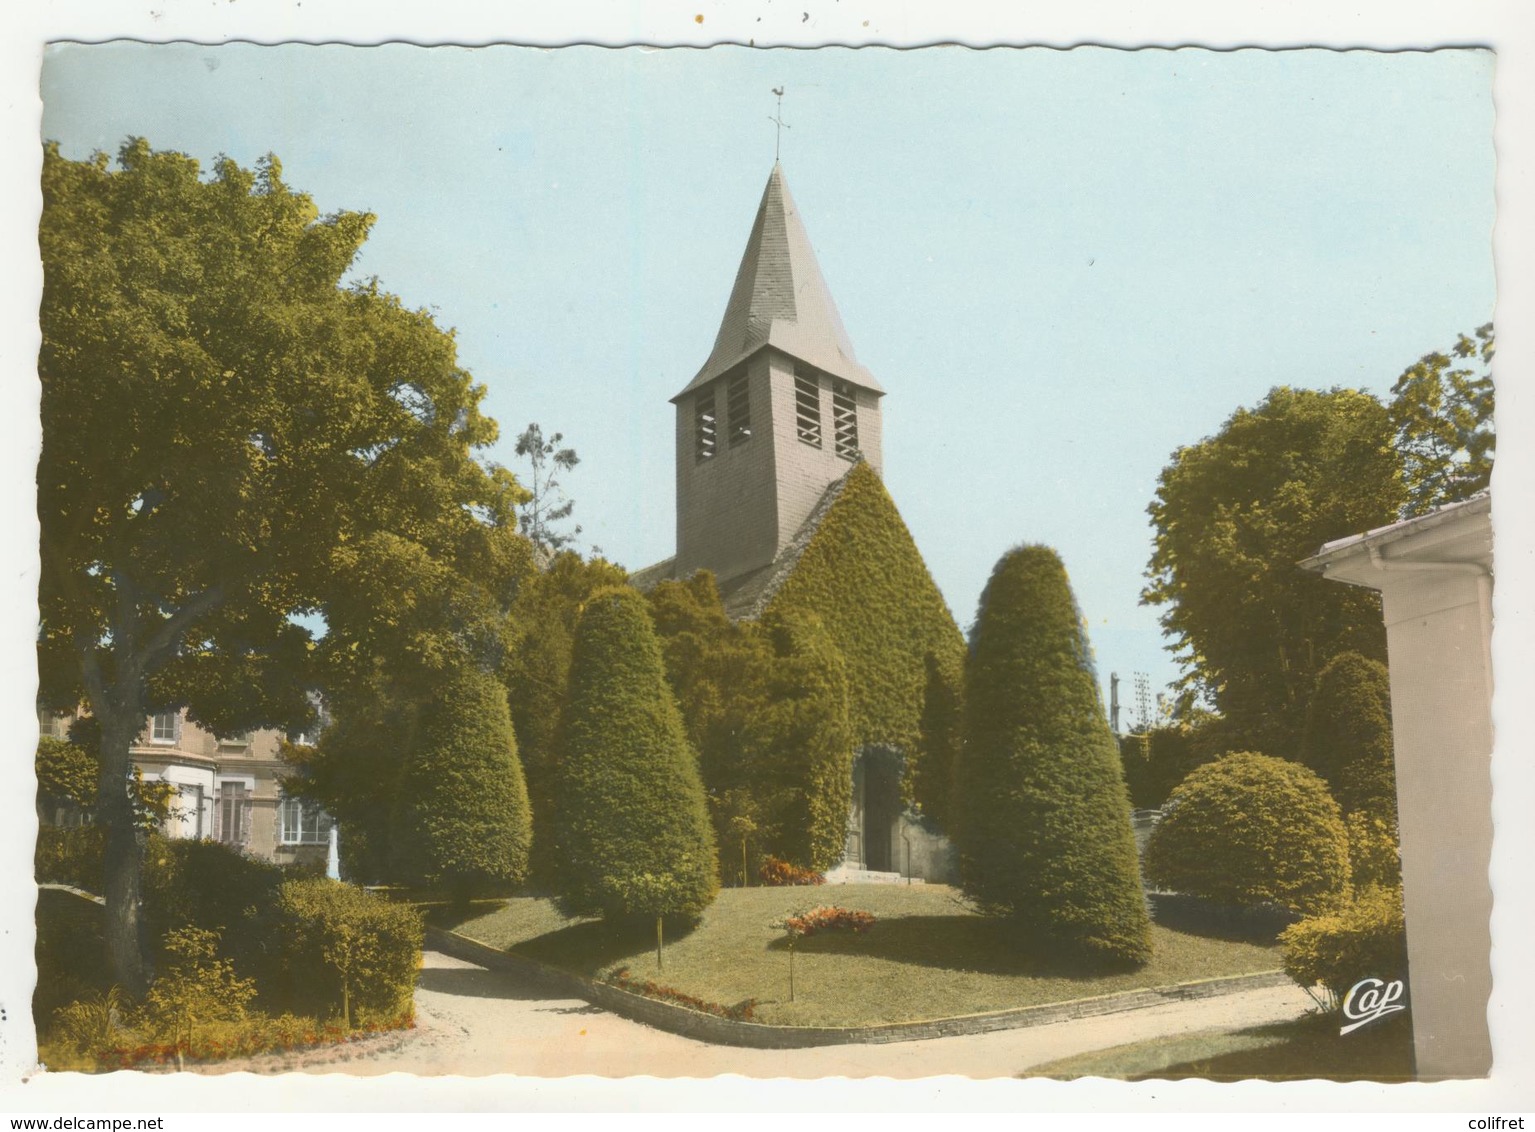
[
  {"x": 1366, "y": 938},
  {"x": 1348, "y": 735},
  {"x": 1249, "y": 829},
  {"x": 462, "y": 804},
  {"x": 1045, "y": 836},
  {"x": 632, "y": 832}
]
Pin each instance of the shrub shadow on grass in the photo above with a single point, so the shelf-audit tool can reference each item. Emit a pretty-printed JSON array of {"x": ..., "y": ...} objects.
[
  {"x": 984, "y": 945},
  {"x": 1197, "y": 917},
  {"x": 1309, "y": 1047},
  {"x": 476, "y": 982},
  {"x": 586, "y": 948}
]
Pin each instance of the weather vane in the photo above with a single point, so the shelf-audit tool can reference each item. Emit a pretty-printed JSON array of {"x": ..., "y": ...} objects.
[{"x": 778, "y": 118}]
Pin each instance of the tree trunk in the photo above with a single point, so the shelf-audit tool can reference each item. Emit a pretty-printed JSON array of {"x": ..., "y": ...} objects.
[{"x": 123, "y": 862}]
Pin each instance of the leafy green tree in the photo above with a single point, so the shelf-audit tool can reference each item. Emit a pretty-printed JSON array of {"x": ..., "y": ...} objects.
[
  {"x": 1441, "y": 410},
  {"x": 1348, "y": 735},
  {"x": 1248, "y": 830},
  {"x": 1233, "y": 515},
  {"x": 462, "y": 805},
  {"x": 1045, "y": 836},
  {"x": 66, "y": 774},
  {"x": 536, "y": 670},
  {"x": 632, "y": 834},
  {"x": 232, "y": 439}
]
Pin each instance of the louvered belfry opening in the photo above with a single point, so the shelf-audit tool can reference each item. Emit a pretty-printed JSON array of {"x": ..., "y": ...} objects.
[
  {"x": 844, "y": 415},
  {"x": 738, "y": 406},
  {"x": 705, "y": 425},
  {"x": 807, "y": 405}
]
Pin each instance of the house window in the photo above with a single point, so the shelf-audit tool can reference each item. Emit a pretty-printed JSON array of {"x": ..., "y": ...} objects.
[
  {"x": 739, "y": 407},
  {"x": 165, "y": 728},
  {"x": 53, "y": 725},
  {"x": 807, "y": 406},
  {"x": 302, "y": 822},
  {"x": 238, "y": 739},
  {"x": 844, "y": 416},
  {"x": 705, "y": 425},
  {"x": 232, "y": 816}
]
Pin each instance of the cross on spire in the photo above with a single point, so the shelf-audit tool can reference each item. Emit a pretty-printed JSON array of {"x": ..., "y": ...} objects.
[{"x": 777, "y": 118}]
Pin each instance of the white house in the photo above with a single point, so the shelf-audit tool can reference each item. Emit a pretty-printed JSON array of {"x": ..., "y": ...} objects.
[{"x": 1434, "y": 574}]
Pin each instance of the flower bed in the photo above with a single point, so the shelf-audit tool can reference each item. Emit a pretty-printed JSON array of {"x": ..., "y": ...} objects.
[
  {"x": 776, "y": 874},
  {"x": 827, "y": 919},
  {"x": 744, "y": 1011}
]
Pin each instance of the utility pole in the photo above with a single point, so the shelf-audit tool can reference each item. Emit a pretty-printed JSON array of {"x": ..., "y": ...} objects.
[{"x": 1114, "y": 702}]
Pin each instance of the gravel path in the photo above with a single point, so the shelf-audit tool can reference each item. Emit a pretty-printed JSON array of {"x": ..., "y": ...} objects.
[{"x": 474, "y": 1021}]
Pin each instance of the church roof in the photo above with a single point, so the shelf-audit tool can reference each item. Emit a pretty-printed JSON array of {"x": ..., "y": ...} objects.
[
  {"x": 746, "y": 596},
  {"x": 780, "y": 299}
]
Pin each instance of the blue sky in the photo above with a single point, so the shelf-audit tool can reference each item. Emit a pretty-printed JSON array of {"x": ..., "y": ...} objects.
[{"x": 1061, "y": 265}]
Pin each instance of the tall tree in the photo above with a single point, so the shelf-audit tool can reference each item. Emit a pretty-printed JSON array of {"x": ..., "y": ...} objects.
[
  {"x": 632, "y": 832},
  {"x": 233, "y": 439},
  {"x": 1233, "y": 514},
  {"x": 1441, "y": 410},
  {"x": 547, "y": 505},
  {"x": 1045, "y": 837}
]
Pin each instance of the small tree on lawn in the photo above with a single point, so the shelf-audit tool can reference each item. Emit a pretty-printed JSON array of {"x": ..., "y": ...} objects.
[
  {"x": 1046, "y": 836},
  {"x": 1248, "y": 830},
  {"x": 633, "y": 837},
  {"x": 1348, "y": 735},
  {"x": 463, "y": 814}
]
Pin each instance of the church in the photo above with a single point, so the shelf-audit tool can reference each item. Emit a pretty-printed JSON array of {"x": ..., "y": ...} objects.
[{"x": 780, "y": 495}]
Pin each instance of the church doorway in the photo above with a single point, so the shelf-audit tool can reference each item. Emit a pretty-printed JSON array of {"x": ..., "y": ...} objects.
[{"x": 876, "y": 809}]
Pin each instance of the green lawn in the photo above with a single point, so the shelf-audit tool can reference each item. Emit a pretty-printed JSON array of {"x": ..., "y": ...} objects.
[
  {"x": 1307, "y": 1048},
  {"x": 928, "y": 956}
]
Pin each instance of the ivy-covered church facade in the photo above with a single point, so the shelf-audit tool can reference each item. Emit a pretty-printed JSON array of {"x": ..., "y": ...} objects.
[{"x": 780, "y": 497}]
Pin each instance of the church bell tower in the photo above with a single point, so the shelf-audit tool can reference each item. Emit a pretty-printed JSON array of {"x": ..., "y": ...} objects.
[{"x": 780, "y": 410}]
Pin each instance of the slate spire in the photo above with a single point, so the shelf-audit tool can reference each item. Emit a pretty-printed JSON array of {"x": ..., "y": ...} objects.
[{"x": 780, "y": 299}]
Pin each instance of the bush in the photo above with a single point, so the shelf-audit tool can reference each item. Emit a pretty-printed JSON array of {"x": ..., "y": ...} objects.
[
  {"x": 778, "y": 874},
  {"x": 1365, "y": 939},
  {"x": 347, "y": 952},
  {"x": 1248, "y": 830},
  {"x": 1347, "y": 739},
  {"x": 70, "y": 856},
  {"x": 194, "y": 986},
  {"x": 1373, "y": 854},
  {"x": 1045, "y": 836},
  {"x": 632, "y": 836},
  {"x": 204, "y": 884},
  {"x": 463, "y": 817}
]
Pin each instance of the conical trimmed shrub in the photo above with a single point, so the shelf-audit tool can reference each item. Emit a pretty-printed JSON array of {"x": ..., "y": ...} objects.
[
  {"x": 1045, "y": 836},
  {"x": 633, "y": 837},
  {"x": 463, "y": 821}
]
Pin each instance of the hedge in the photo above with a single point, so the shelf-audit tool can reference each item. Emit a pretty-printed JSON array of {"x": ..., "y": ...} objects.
[
  {"x": 290, "y": 936},
  {"x": 1248, "y": 830},
  {"x": 1045, "y": 836},
  {"x": 348, "y": 951},
  {"x": 70, "y": 856}
]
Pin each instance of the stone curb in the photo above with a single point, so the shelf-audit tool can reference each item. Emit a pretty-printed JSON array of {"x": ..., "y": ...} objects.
[{"x": 757, "y": 1035}]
